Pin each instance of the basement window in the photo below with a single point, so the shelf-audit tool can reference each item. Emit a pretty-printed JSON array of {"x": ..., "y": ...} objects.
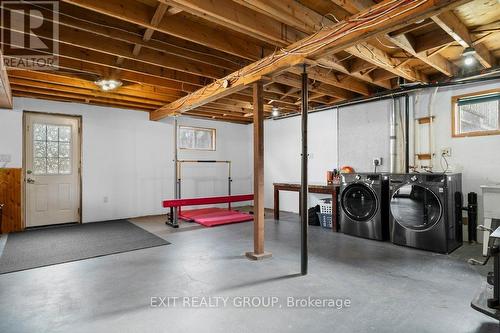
[
  {"x": 476, "y": 114},
  {"x": 196, "y": 138}
]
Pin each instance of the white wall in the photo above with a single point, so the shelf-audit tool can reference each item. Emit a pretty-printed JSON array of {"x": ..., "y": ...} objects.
[
  {"x": 364, "y": 134},
  {"x": 477, "y": 158},
  {"x": 282, "y": 154},
  {"x": 128, "y": 158}
]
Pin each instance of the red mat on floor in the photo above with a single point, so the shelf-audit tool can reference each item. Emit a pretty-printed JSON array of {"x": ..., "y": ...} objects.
[{"x": 211, "y": 217}]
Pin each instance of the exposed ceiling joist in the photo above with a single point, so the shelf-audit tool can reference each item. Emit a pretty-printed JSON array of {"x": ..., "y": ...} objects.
[
  {"x": 327, "y": 41},
  {"x": 140, "y": 14},
  {"x": 241, "y": 19},
  {"x": 450, "y": 23},
  {"x": 120, "y": 49},
  {"x": 5, "y": 89},
  {"x": 148, "y": 92},
  {"x": 306, "y": 19},
  {"x": 161, "y": 10},
  {"x": 404, "y": 42},
  {"x": 374, "y": 55}
]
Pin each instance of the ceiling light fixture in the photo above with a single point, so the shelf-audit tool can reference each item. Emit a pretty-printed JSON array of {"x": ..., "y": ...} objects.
[
  {"x": 468, "y": 56},
  {"x": 108, "y": 85},
  {"x": 275, "y": 111}
]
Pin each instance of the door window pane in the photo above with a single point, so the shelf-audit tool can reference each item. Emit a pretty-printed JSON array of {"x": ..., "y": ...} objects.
[{"x": 51, "y": 149}]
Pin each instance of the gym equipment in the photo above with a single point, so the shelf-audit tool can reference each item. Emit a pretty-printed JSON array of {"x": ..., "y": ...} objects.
[
  {"x": 487, "y": 300},
  {"x": 173, "y": 220},
  {"x": 209, "y": 216},
  {"x": 471, "y": 210}
]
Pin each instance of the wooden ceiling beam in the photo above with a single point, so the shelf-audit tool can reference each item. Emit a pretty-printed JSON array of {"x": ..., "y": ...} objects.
[
  {"x": 239, "y": 18},
  {"x": 149, "y": 92},
  {"x": 437, "y": 61},
  {"x": 376, "y": 56},
  {"x": 140, "y": 14},
  {"x": 83, "y": 91},
  {"x": 168, "y": 45},
  {"x": 433, "y": 39},
  {"x": 123, "y": 50},
  {"x": 331, "y": 63},
  {"x": 450, "y": 23},
  {"x": 306, "y": 20},
  {"x": 404, "y": 42},
  {"x": 325, "y": 42},
  {"x": 293, "y": 80},
  {"x": 290, "y": 12},
  {"x": 345, "y": 82},
  {"x": 33, "y": 92},
  {"x": 354, "y": 6},
  {"x": 160, "y": 11},
  {"x": 75, "y": 58},
  {"x": 5, "y": 89}
]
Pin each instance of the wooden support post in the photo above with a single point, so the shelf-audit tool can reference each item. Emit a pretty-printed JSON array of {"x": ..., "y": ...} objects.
[
  {"x": 258, "y": 173},
  {"x": 304, "y": 191}
]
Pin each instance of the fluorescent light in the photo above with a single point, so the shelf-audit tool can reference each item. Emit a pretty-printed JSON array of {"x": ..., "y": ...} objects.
[{"x": 108, "y": 85}]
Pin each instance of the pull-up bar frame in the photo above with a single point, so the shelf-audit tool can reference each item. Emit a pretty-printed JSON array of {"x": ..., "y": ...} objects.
[{"x": 178, "y": 182}]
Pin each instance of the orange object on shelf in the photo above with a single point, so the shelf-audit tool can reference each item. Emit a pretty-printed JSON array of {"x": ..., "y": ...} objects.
[{"x": 346, "y": 169}]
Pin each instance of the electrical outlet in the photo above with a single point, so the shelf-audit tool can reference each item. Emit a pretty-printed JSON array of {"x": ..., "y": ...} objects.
[
  {"x": 446, "y": 152},
  {"x": 105, "y": 199},
  {"x": 377, "y": 161}
]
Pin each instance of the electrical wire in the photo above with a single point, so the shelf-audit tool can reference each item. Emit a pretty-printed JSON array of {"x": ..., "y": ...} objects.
[
  {"x": 140, "y": 36},
  {"x": 312, "y": 44},
  {"x": 445, "y": 170},
  {"x": 383, "y": 44}
]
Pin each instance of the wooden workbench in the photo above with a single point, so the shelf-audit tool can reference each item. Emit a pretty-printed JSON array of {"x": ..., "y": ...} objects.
[{"x": 333, "y": 190}]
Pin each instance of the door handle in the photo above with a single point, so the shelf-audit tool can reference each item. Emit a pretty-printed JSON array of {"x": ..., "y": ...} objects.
[{"x": 30, "y": 181}]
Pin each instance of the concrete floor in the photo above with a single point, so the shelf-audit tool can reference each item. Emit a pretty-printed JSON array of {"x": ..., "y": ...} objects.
[{"x": 391, "y": 288}]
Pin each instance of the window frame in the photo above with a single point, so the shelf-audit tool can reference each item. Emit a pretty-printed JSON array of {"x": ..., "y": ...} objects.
[
  {"x": 214, "y": 137},
  {"x": 455, "y": 116}
]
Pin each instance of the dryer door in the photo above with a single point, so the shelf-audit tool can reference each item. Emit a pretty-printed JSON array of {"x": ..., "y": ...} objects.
[
  {"x": 359, "y": 202},
  {"x": 415, "y": 207}
]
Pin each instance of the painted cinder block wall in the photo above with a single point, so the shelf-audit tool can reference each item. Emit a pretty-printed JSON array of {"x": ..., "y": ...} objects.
[{"x": 129, "y": 159}]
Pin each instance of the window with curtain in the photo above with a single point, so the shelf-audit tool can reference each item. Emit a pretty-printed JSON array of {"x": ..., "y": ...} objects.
[
  {"x": 475, "y": 115},
  {"x": 196, "y": 138}
]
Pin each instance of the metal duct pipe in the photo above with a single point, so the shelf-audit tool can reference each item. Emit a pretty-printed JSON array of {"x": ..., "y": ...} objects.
[
  {"x": 407, "y": 133},
  {"x": 393, "y": 138}
]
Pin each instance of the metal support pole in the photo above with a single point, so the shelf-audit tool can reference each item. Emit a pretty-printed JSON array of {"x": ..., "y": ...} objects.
[
  {"x": 407, "y": 133},
  {"x": 229, "y": 181},
  {"x": 304, "y": 192},
  {"x": 173, "y": 221}
]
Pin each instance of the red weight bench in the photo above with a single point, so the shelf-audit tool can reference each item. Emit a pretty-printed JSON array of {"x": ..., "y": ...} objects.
[{"x": 208, "y": 217}]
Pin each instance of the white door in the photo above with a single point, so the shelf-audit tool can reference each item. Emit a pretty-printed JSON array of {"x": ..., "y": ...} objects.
[{"x": 52, "y": 170}]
